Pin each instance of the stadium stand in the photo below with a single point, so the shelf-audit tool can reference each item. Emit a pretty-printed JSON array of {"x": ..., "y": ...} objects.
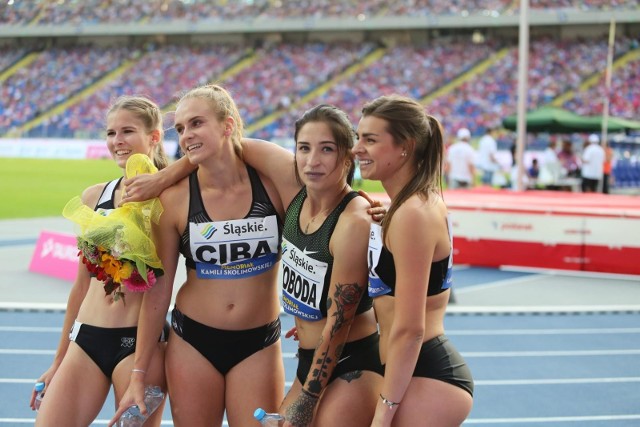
[
  {"x": 465, "y": 73},
  {"x": 47, "y": 12}
]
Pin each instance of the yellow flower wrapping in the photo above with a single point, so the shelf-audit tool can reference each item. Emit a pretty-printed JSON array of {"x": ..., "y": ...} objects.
[{"x": 126, "y": 231}]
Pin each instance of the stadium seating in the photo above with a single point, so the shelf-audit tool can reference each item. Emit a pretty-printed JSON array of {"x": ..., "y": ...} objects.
[
  {"x": 63, "y": 89},
  {"x": 45, "y": 12},
  {"x": 279, "y": 76}
]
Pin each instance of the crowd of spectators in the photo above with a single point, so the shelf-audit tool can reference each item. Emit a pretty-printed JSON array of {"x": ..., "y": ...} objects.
[
  {"x": 555, "y": 67},
  {"x": 87, "y": 12},
  {"x": 450, "y": 7},
  {"x": 9, "y": 55},
  {"x": 406, "y": 70},
  {"x": 285, "y": 72},
  {"x": 161, "y": 72},
  {"x": 38, "y": 86},
  {"x": 279, "y": 75},
  {"x": 584, "y": 4},
  {"x": 624, "y": 94}
]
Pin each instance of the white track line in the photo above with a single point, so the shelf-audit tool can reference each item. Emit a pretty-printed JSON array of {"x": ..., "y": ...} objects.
[{"x": 570, "y": 273}]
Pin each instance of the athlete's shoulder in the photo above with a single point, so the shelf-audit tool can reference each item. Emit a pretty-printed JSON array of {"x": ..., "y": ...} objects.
[
  {"x": 418, "y": 210},
  {"x": 176, "y": 191},
  {"x": 91, "y": 195},
  {"x": 354, "y": 220},
  {"x": 356, "y": 209}
]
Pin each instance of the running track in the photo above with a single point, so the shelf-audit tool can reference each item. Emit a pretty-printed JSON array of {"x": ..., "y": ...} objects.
[
  {"x": 546, "y": 349},
  {"x": 531, "y": 368}
]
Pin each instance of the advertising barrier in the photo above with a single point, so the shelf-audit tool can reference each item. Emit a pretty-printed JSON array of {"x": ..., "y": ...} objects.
[
  {"x": 44, "y": 148},
  {"x": 56, "y": 255},
  {"x": 567, "y": 231}
]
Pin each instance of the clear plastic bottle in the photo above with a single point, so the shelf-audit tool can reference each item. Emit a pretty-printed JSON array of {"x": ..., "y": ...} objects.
[
  {"x": 268, "y": 419},
  {"x": 39, "y": 387},
  {"x": 153, "y": 397}
]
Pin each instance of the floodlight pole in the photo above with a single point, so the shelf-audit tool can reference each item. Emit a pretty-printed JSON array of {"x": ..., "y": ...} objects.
[
  {"x": 607, "y": 82},
  {"x": 523, "y": 73}
]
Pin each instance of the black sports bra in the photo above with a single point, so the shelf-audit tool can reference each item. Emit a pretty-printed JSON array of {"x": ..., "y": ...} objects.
[
  {"x": 307, "y": 263},
  {"x": 235, "y": 248},
  {"x": 382, "y": 269},
  {"x": 107, "y": 200}
]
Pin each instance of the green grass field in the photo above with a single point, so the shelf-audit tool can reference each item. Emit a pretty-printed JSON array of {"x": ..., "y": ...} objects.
[{"x": 32, "y": 188}]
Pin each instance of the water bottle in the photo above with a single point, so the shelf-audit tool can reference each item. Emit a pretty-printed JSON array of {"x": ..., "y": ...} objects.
[
  {"x": 39, "y": 387},
  {"x": 132, "y": 417},
  {"x": 268, "y": 419}
]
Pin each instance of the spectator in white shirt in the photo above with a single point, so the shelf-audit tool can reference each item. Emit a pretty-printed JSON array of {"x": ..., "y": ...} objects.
[
  {"x": 487, "y": 161},
  {"x": 592, "y": 164},
  {"x": 460, "y": 161},
  {"x": 550, "y": 169}
]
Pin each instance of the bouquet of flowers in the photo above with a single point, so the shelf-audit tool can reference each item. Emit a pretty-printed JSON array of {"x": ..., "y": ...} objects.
[{"x": 116, "y": 247}]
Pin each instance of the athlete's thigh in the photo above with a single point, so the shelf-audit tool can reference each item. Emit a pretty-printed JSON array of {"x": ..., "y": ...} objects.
[
  {"x": 349, "y": 401},
  {"x": 76, "y": 393},
  {"x": 196, "y": 388},
  {"x": 256, "y": 382},
  {"x": 432, "y": 403},
  {"x": 292, "y": 395}
]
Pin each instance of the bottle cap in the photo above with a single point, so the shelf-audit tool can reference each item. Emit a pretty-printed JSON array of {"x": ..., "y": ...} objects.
[
  {"x": 39, "y": 386},
  {"x": 259, "y": 414}
]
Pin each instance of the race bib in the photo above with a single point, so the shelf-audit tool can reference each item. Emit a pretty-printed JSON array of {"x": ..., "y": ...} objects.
[
  {"x": 104, "y": 212},
  {"x": 448, "y": 279},
  {"x": 376, "y": 286},
  {"x": 302, "y": 282},
  {"x": 234, "y": 249}
]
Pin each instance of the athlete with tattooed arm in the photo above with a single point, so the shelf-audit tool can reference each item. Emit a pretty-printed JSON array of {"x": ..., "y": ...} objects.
[{"x": 324, "y": 272}]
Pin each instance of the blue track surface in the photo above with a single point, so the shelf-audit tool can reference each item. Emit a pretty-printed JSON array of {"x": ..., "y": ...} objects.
[{"x": 531, "y": 369}]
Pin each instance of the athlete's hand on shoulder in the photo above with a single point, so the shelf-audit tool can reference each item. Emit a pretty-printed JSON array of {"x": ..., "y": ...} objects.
[
  {"x": 293, "y": 332},
  {"x": 140, "y": 188},
  {"x": 377, "y": 209}
]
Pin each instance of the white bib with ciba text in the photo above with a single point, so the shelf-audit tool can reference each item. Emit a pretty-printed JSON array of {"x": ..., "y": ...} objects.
[{"x": 234, "y": 249}]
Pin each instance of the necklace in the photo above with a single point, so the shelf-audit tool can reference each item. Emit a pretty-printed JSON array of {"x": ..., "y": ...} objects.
[
  {"x": 339, "y": 197},
  {"x": 313, "y": 218}
]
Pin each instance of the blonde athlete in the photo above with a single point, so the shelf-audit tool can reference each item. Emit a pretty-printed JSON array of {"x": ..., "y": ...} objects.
[
  {"x": 99, "y": 334},
  {"x": 224, "y": 351}
]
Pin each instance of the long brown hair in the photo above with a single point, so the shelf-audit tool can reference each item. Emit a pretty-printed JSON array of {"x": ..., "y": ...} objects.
[{"x": 421, "y": 136}]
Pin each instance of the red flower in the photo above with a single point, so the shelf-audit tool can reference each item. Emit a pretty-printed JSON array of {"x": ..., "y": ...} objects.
[{"x": 136, "y": 283}]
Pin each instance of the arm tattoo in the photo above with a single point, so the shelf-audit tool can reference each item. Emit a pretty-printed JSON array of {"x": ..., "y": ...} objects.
[
  {"x": 351, "y": 376},
  {"x": 346, "y": 297},
  {"x": 300, "y": 412}
]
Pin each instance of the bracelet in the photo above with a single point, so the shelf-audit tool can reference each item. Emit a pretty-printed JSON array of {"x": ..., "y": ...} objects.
[
  {"x": 389, "y": 403},
  {"x": 142, "y": 371}
]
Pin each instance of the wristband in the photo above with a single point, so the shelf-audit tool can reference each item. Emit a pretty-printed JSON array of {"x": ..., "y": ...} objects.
[{"x": 389, "y": 403}]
